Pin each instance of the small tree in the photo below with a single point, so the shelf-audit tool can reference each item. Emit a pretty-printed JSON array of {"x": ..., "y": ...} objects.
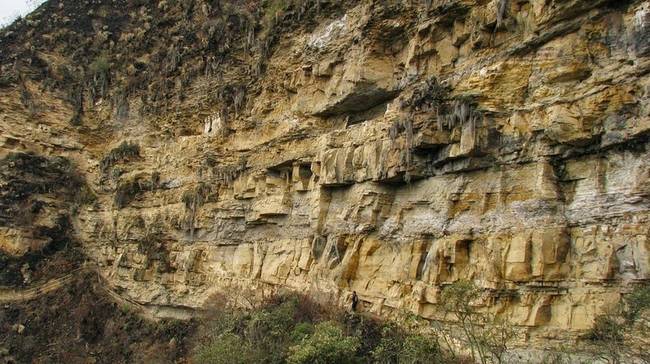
[
  {"x": 328, "y": 344},
  {"x": 227, "y": 348},
  {"x": 485, "y": 334},
  {"x": 622, "y": 330}
]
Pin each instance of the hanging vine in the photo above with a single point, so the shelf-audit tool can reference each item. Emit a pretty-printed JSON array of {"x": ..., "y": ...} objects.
[
  {"x": 193, "y": 199},
  {"x": 403, "y": 127}
]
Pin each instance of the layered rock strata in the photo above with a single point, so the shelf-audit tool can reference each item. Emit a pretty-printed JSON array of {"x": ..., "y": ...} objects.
[{"x": 390, "y": 148}]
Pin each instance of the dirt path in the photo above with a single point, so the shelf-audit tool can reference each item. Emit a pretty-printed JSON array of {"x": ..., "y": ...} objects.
[
  {"x": 25, "y": 294},
  {"x": 149, "y": 311}
]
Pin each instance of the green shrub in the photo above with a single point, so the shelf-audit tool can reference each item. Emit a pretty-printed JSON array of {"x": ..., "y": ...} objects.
[
  {"x": 636, "y": 302},
  {"x": 389, "y": 347},
  {"x": 397, "y": 346},
  {"x": 328, "y": 344},
  {"x": 302, "y": 331},
  {"x": 100, "y": 65},
  {"x": 271, "y": 324},
  {"x": 420, "y": 349},
  {"x": 288, "y": 329},
  {"x": 607, "y": 328},
  {"x": 228, "y": 349},
  {"x": 620, "y": 331},
  {"x": 483, "y": 332}
]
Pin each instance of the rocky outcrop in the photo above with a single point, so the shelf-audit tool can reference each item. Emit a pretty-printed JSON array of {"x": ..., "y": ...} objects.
[{"x": 390, "y": 148}]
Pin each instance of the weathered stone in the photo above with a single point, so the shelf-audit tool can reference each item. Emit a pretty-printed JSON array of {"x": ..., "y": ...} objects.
[{"x": 313, "y": 160}]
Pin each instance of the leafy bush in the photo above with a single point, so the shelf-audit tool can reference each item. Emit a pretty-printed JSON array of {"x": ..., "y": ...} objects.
[
  {"x": 294, "y": 329},
  {"x": 328, "y": 344},
  {"x": 398, "y": 346},
  {"x": 272, "y": 323},
  {"x": 272, "y": 9},
  {"x": 389, "y": 347},
  {"x": 100, "y": 65},
  {"x": 636, "y": 302},
  {"x": 621, "y": 331},
  {"x": 607, "y": 328},
  {"x": 420, "y": 349},
  {"x": 484, "y": 333},
  {"x": 261, "y": 335},
  {"x": 302, "y": 331},
  {"x": 228, "y": 349}
]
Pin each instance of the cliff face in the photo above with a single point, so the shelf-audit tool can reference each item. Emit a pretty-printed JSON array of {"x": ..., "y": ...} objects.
[{"x": 385, "y": 147}]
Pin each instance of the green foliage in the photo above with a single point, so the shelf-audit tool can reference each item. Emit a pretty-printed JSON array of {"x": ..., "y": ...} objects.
[
  {"x": 272, "y": 9},
  {"x": 483, "y": 332},
  {"x": 124, "y": 152},
  {"x": 100, "y": 65},
  {"x": 270, "y": 329},
  {"x": 302, "y": 331},
  {"x": 420, "y": 349},
  {"x": 389, "y": 347},
  {"x": 621, "y": 330},
  {"x": 636, "y": 303},
  {"x": 294, "y": 329},
  {"x": 398, "y": 346},
  {"x": 328, "y": 344},
  {"x": 607, "y": 328},
  {"x": 228, "y": 349},
  {"x": 261, "y": 335},
  {"x": 273, "y": 324},
  {"x": 457, "y": 298}
]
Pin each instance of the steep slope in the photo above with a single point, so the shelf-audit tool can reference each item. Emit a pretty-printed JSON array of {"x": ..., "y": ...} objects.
[
  {"x": 80, "y": 324},
  {"x": 385, "y": 147}
]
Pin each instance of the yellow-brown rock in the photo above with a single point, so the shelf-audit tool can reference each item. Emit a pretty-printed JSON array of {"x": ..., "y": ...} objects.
[{"x": 390, "y": 148}]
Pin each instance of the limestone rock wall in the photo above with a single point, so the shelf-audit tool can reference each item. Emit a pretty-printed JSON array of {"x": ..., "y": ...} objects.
[{"x": 385, "y": 147}]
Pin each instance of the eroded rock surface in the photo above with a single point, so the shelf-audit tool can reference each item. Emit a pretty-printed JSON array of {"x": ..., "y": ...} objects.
[{"x": 385, "y": 147}]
